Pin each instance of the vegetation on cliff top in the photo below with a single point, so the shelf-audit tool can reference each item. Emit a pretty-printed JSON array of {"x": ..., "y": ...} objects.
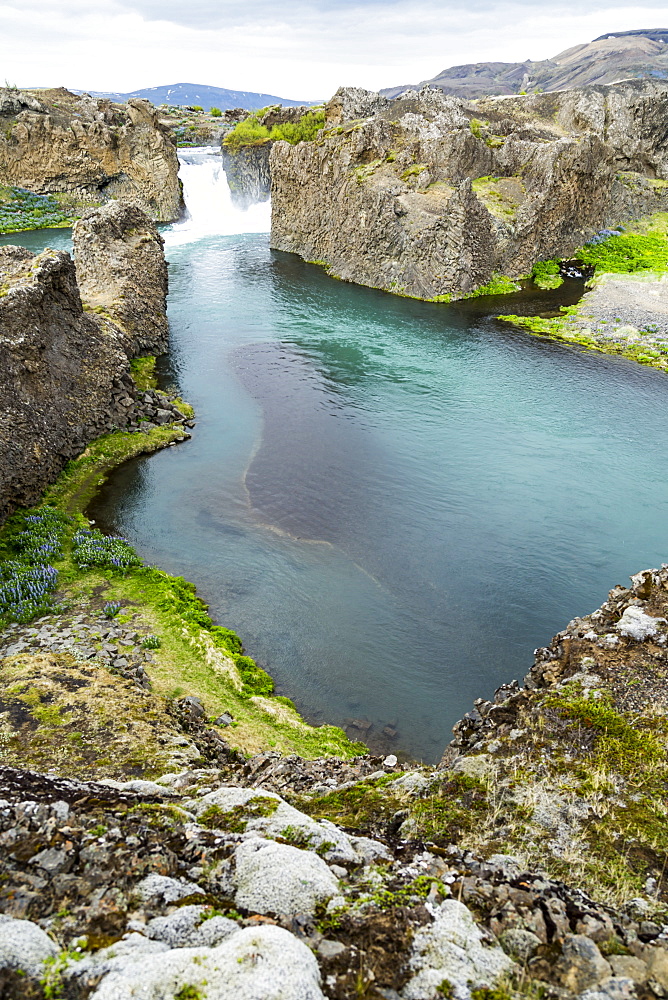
[
  {"x": 21, "y": 210},
  {"x": 251, "y": 132}
]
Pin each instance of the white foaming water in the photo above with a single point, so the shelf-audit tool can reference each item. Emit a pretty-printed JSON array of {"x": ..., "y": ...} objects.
[{"x": 209, "y": 207}]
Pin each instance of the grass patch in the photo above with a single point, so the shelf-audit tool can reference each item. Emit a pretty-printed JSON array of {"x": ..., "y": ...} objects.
[
  {"x": 546, "y": 274},
  {"x": 142, "y": 371},
  {"x": 499, "y": 284},
  {"x": 626, "y": 253}
]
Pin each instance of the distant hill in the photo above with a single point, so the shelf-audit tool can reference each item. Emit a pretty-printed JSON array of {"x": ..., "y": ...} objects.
[
  {"x": 619, "y": 55},
  {"x": 184, "y": 94}
]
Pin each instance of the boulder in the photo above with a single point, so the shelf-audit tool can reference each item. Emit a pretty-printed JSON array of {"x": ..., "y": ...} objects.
[
  {"x": 24, "y": 947},
  {"x": 266, "y": 962},
  {"x": 453, "y": 949},
  {"x": 277, "y": 878}
]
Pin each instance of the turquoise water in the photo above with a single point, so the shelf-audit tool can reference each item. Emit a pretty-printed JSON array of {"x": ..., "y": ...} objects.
[{"x": 392, "y": 502}]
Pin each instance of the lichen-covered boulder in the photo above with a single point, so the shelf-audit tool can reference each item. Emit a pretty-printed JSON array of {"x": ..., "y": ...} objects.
[
  {"x": 452, "y": 949},
  {"x": 188, "y": 927},
  {"x": 266, "y": 962},
  {"x": 24, "y": 947},
  {"x": 277, "y": 878},
  {"x": 269, "y": 814}
]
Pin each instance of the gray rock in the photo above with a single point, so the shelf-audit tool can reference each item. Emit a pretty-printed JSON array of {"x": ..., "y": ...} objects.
[
  {"x": 452, "y": 948},
  {"x": 277, "y": 878},
  {"x": 24, "y": 946},
  {"x": 166, "y": 889},
  {"x": 330, "y": 949},
  {"x": 51, "y": 860},
  {"x": 628, "y": 967},
  {"x": 581, "y": 964},
  {"x": 520, "y": 944},
  {"x": 264, "y": 962},
  {"x": 611, "y": 989},
  {"x": 185, "y": 928}
]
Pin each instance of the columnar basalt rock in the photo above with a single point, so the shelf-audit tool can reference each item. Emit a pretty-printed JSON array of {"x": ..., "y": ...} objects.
[
  {"x": 93, "y": 149},
  {"x": 121, "y": 269},
  {"x": 64, "y": 365},
  {"x": 430, "y": 196},
  {"x": 247, "y": 171}
]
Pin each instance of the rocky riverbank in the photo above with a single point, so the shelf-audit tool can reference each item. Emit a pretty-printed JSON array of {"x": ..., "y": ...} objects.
[{"x": 624, "y": 314}]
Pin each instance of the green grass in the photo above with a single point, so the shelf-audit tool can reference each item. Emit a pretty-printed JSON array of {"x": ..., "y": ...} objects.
[
  {"x": 143, "y": 372},
  {"x": 627, "y": 253}
]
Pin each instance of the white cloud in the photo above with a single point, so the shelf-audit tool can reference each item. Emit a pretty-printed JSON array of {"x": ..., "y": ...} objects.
[{"x": 304, "y": 51}]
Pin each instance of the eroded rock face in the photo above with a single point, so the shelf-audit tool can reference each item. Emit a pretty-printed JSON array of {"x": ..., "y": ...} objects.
[
  {"x": 96, "y": 150},
  {"x": 121, "y": 268},
  {"x": 428, "y": 195},
  {"x": 64, "y": 369},
  {"x": 63, "y": 379}
]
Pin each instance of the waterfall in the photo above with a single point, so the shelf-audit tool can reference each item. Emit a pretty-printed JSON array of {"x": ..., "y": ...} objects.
[{"x": 209, "y": 207}]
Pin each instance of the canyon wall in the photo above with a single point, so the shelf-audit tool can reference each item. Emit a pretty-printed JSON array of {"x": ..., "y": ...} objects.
[
  {"x": 56, "y": 142},
  {"x": 430, "y": 196},
  {"x": 64, "y": 363}
]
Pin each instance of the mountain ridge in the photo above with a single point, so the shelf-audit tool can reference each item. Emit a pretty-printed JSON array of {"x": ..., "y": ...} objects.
[
  {"x": 610, "y": 58},
  {"x": 183, "y": 94}
]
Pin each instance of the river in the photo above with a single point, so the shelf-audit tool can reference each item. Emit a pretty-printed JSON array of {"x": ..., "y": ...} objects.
[{"x": 392, "y": 502}]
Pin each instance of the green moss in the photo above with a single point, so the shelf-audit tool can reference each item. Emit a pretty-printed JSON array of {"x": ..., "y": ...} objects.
[
  {"x": 480, "y": 129},
  {"x": 629, "y": 749},
  {"x": 499, "y": 284},
  {"x": 235, "y": 820},
  {"x": 366, "y": 170},
  {"x": 546, "y": 274},
  {"x": 362, "y": 806},
  {"x": 570, "y": 331},
  {"x": 143, "y": 372},
  {"x": 414, "y": 171},
  {"x": 627, "y": 253},
  {"x": 189, "y": 993}
]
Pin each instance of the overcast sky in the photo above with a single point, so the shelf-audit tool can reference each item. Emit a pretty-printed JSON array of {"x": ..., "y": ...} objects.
[{"x": 299, "y": 50}]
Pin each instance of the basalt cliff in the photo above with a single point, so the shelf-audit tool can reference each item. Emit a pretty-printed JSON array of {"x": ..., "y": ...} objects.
[
  {"x": 430, "y": 196},
  {"x": 68, "y": 330},
  {"x": 55, "y": 142}
]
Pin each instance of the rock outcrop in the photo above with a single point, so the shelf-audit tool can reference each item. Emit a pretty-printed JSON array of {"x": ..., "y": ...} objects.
[
  {"x": 121, "y": 269},
  {"x": 55, "y": 142},
  {"x": 64, "y": 364},
  {"x": 429, "y": 196}
]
